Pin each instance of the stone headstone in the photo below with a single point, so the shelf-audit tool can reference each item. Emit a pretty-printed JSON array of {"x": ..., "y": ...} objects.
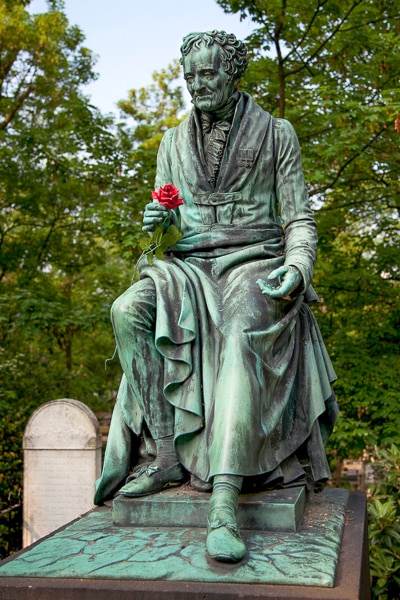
[{"x": 62, "y": 460}]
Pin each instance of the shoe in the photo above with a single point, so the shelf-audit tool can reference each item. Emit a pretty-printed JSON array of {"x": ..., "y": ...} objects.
[
  {"x": 200, "y": 485},
  {"x": 224, "y": 542},
  {"x": 150, "y": 479}
]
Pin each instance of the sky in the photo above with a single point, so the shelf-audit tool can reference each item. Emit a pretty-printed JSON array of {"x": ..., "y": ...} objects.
[{"x": 134, "y": 38}]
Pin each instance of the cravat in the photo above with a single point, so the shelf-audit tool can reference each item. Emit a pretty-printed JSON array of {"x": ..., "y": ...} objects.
[
  {"x": 215, "y": 127},
  {"x": 214, "y": 145}
]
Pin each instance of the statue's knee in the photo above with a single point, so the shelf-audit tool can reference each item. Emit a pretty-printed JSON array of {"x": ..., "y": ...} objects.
[
  {"x": 131, "y": 309},
  {"x": 120, "y": 311}
]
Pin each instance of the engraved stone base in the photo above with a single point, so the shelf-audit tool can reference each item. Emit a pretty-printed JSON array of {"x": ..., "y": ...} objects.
[{"x": 183, "y": 507}]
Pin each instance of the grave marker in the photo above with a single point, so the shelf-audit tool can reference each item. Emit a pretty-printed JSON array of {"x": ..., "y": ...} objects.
[{"x": 62, "y": 460}]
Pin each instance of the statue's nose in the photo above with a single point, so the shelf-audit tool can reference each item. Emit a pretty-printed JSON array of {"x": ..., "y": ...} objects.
[{"x": 198, "y": 84}]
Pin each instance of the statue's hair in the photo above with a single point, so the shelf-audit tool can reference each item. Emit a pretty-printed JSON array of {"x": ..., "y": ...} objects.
[{"x": 233, "y": 51}]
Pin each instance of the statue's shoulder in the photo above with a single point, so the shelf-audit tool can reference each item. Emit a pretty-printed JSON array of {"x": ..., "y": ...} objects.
[
  {"x": 280, "y": 126},
  {"x": 281, "y": 130},
  {"x": 284, "y": 135},
  {"x": 169, "y": 134},
  {"x": 173, "y": 132},
  {"x": 283, "y": 126},
  {"x": 167, "y": 139},
  {"x": 253, "y": 111}
]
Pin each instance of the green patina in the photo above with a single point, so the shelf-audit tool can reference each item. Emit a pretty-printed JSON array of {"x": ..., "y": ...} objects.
[
  {"x": 93, "y": 548},
  {"x": 226, "y": 375},
  {"x": 231, "y": 366},
  {"x": 280, "y": 510}
]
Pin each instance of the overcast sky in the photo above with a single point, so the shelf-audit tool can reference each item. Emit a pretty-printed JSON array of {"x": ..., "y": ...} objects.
[{"x": 133, "y": 38}]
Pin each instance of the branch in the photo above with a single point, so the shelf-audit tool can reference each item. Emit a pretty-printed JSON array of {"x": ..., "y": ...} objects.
[
  {"x": 18, "y": 103},
  {"x": 372, "y": 22},
  {"x": 314, "y": 133},
  {"x": 6, "y": 68},
  {"x": 7, "y": 510},
  {"x": 324, "y": 42},
  {"x": 46, "y": 241},
  {"x": 295, "y": 48},
  {"x": 347, "y": 163}
]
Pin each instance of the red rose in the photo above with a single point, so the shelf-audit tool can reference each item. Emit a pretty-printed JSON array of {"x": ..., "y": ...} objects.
[{"x": 168, "y": 196}]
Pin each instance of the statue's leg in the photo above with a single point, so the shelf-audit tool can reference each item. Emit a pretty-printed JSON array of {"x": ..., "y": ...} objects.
[
  {"x": 223, "y": 538},
  {"x": 133, "y": 316}
]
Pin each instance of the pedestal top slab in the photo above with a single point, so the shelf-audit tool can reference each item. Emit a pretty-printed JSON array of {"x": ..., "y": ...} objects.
[
  {"x": 93, "y": 548},
  {"x": 278, "y": 510}
]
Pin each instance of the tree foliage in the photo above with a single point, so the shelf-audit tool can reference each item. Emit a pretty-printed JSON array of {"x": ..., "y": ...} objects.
[
  {"x": 384, "y": 529},
  {"x": 72, "y": 188},
  {"x": 332, "y": 68},
  {"x": 59, "y": 166},
  {"x": 145, "y": 116}
]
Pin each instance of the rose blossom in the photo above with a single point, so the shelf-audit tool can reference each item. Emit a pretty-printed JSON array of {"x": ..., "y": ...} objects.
[{"x": 168, "y": 196}]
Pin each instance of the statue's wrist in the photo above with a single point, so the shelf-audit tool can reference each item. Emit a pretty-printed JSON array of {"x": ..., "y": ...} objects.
[{"x": 300, "y": 287}]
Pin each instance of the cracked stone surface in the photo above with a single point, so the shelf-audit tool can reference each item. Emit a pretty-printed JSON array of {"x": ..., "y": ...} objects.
[{"x": 92, "y": 548}]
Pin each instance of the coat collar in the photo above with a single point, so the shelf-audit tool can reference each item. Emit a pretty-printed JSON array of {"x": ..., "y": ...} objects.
[{"x": 249, "y": 128}]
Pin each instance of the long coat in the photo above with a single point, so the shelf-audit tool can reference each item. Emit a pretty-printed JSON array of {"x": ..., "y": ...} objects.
[{"x": 249, "y": 376}]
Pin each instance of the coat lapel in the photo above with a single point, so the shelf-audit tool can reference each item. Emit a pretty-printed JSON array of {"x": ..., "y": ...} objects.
[
  {"x": 249, "y": 129},
  {"x": 189, "y": 149}
]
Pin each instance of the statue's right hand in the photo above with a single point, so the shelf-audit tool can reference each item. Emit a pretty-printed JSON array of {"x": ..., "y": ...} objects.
[{"x": 154, "y": 214}]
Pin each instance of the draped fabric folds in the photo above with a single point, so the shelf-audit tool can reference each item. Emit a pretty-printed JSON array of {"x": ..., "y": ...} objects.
[
  {"x": 252, "y": 398},
  {"x": 248, "y": 376}
]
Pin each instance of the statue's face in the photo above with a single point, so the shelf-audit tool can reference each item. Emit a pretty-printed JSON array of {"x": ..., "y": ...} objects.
[{"x": 207, "y": 81}]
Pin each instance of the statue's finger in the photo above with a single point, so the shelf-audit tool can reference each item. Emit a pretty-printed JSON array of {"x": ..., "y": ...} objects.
[{"x": 278, "y": 272}]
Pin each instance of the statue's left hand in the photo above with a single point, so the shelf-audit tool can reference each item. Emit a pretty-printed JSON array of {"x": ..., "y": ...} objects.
[{"x": 291, "y": 279}]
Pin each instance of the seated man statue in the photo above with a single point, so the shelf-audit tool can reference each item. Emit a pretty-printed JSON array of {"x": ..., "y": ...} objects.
[{"x": 224, "y": 366}]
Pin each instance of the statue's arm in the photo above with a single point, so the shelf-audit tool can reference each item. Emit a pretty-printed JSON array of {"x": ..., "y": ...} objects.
[
  {"x": 297, "y": 216},
  {"x": 154, "y": 213},
  {"x": 164, "y": 173}
]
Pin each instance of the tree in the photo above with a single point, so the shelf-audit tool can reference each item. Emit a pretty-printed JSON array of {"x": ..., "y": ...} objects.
[
  {"x": 59, "y": 165},
  {"x": 146, "y": 115},
  {"x": 72, "y": 187},
  {"x": 332, "y": 68}
]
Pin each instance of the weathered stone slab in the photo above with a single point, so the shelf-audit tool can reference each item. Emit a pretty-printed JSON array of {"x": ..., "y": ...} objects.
[
  {"x": 93, "y": 548},
  {"x": 62, "y": 459},
  {"x": 183, "y": 507}
]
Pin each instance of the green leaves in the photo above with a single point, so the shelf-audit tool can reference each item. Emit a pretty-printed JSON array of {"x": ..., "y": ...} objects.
[
  {"x": 384, "y": 523},
  {"x": 59, "y": 180},
  {"x": 160, "y": 242},
  {"x": 170, "y": 237}
]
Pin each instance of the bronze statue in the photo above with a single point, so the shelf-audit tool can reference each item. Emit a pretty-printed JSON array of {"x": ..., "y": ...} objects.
[{"x": 225, "y": 371}]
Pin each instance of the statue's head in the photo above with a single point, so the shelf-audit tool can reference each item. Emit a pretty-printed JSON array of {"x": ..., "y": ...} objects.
[{"x": 213, "y": 63}]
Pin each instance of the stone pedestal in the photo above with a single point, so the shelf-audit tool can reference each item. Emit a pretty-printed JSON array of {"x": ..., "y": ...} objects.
[
  {"x": 183, "y": 507},
  {"x": 92, "y": 558}
]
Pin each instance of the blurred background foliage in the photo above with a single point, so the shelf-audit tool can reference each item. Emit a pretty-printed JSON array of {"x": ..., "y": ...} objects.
[{"x": 73, "y": 184}]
